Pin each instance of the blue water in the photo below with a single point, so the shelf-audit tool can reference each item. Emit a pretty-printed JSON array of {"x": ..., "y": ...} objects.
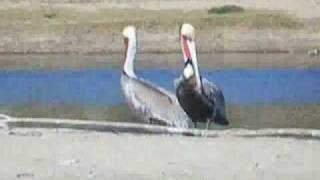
[{"x": 102, "y": 87}]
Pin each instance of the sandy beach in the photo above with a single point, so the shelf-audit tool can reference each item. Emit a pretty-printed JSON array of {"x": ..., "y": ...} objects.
[{"x": 112, "y": 154}]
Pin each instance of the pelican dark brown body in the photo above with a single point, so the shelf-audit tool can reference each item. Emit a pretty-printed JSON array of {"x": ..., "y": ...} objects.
[
  {"x": 206, "y": 106},
  {"x": 201, "y": 99},
  {"x": 196, "y": 105}
]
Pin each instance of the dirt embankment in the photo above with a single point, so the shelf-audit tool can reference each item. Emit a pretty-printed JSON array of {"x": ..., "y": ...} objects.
[{"x": 60, "y": 26}]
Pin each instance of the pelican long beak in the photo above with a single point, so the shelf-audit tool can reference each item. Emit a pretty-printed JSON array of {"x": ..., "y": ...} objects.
[{"x": 189, "y": 54}]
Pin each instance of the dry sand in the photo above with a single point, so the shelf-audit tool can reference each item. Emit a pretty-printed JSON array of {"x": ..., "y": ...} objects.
[
  {"x": 64, "y": 154},
  {"x": 59, "y": 150}
]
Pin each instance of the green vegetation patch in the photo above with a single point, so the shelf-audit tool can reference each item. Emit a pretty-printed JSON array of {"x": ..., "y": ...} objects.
[
  {"x": 256, "y": 19},
  {"x": 226, "y": 9}
]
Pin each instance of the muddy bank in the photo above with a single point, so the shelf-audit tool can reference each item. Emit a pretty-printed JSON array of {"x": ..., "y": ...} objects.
[
  {"x": 88, "y": 40},
  {"x": 211, "y": 61},
  {"x": 249, "y": 117}
]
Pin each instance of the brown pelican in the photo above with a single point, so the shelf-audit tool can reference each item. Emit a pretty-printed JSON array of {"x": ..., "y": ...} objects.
[
  {"x": 149, "y": 102},
  {"x": 202, "y": 100}
]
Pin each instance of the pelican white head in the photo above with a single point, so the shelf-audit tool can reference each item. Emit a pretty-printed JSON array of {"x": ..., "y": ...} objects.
[
  {"x": 129, "y": 34},
  {"x": 187, "y": 30},
  {"x": 187, "y": 36}
]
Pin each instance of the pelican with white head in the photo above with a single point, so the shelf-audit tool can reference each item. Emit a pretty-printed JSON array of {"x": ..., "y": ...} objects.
[
  {"x": 201, "y": 99},
  {"x": 130, "y": 41},
  {"x": 187, "y": 38},
  {"x": 148, "y": 102}
]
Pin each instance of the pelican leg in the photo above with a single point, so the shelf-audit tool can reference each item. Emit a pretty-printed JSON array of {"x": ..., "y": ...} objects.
[
  {"x": 208, "y": 123},
  {"x": 195, "y": 125}
]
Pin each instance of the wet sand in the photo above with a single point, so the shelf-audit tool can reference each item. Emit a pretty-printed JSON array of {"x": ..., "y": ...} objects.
[{"x": 254, "y": 116}]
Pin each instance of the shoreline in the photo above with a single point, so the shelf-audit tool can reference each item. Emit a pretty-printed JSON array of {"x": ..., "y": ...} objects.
[
  {"x": 245, "y": 116},
  {"x": 73, "y": 61}
]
